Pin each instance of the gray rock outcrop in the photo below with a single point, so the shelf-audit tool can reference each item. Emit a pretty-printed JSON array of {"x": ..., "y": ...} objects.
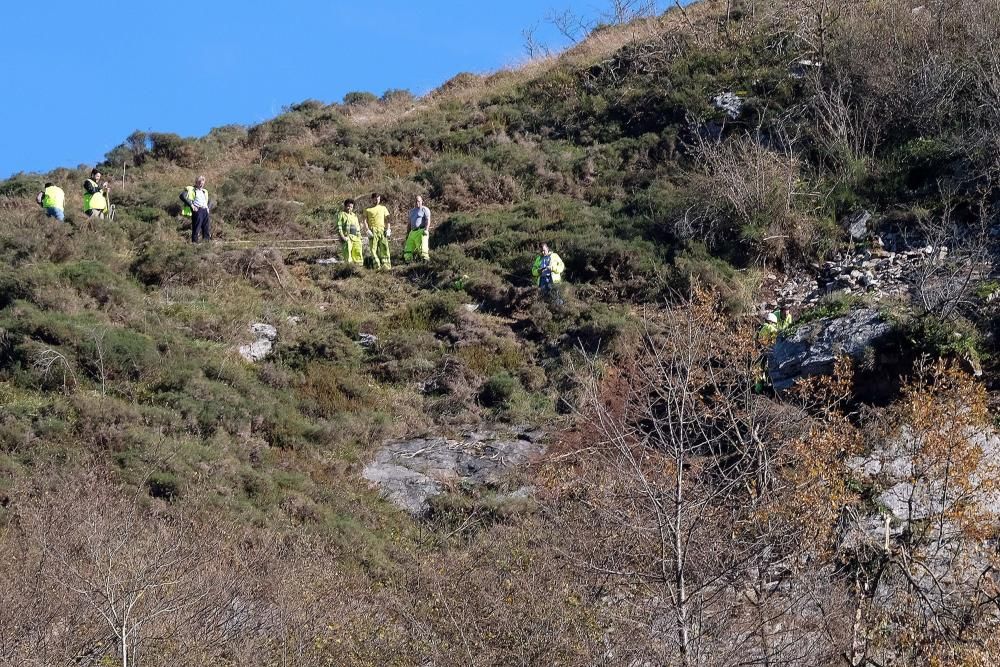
[
  {"x": 265, "y": 335},
  {"x": 410, "y": 472},
  {"x": 812, "y": 348},
  {"x": 905, "y": 496}
]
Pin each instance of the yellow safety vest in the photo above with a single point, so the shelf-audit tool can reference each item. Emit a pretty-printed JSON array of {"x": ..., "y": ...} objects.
[
  {"x": 95, "y": 201},
  {"x": 555, "y": 267},
  {"x": 53, "y": 197},
  {"x": 187, "y": 212},
  {"x": 347, "y": 224}
]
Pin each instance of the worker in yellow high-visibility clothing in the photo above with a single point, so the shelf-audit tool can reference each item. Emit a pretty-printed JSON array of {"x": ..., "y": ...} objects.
[
  {"x": 95, "y": 201},
  {"x": 196, "y": 206},
  {"x": 376, "y": 220},
  {"x": 775, "y": 322},
  {"x": 53, "y": 200},
  {"x": 349, "y": 230},
  {"x": 547, "y": 270}
]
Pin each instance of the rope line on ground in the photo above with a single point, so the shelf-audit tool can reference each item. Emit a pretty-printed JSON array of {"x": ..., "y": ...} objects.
[
  {"x": 276, "y": 247},
  {"x": 281, "y": 240}
]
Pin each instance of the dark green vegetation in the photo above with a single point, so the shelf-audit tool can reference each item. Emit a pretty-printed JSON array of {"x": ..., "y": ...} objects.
[{"x": 118, "y": 339}]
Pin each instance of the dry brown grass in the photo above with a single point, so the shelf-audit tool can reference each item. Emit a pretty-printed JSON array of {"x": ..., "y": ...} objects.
[{"x": 697, "y": 21}]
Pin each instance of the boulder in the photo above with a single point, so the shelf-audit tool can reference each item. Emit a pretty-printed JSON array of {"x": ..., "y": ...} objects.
[
  {"x": 729, "y": 102},
  {"x": 812, "y": 348},
  {"x": 410, "y": 472},
  {"x": 264, "y": 331},
  {"x": 367, "y": 340},
  {"x": 257, "y": 350},
  {"x": 857, "y": 225},
  {"x": 265, "y": 335}
]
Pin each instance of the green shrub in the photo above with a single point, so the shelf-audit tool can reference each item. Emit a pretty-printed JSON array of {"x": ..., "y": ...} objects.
[
  {"x": 836, "y": 304},
  {"x": 97, "y": 280},
  {"x": 358, "y": 98},
  {"x": 939, "y": 337},
  {"x": 597, "y": 329},
  {"x": 164, "y": 485},
  {"x": 14, "y": 286},
  {"x": 334, "y": 389},
  {"x": 463, "y": 182},
  {"x": 322, "y": 341},
  {"x": 695, "y": 267},
  {"x": 22, "y": 185},
  {"x": 173, "y": 148},
  {"x": 163, "y": 264},
  {"x": 428, "y": 312},
  {"x": 397, "y": 96},
  {"x": 499, "y": 390},
  {"x": 118, "y": 354}
]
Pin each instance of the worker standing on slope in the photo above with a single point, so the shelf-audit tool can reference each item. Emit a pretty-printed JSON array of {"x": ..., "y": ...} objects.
[
  {"x": 547, "y": 270},
  {"x": 379, "y": 232},
  {"x": 418, "y": 238},
  {"x": 196, "y": 207},
  {"x": 349, "y": 230},
  {"x": 53, "y": 200},
  {"x": 95, "y": 201}
]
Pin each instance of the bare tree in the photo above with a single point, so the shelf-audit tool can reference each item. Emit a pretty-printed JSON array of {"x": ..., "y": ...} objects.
[
  {"x": 132, "y": 571},
  {"x": 692, "y": 459},
  {"x": 926, "y": 591},
  {"x": 958, "y": 256},
  {"x": 532, "y": 47}
]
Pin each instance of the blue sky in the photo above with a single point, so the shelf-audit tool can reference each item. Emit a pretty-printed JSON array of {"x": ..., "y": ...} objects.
[{"x": 80, "y": 77}]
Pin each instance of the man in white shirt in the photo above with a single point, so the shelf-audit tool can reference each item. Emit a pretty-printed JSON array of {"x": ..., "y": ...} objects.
[{"x": 196, "y": 206}]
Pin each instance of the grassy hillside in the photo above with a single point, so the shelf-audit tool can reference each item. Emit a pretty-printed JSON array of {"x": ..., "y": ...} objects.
[{"x": 138, "y": 448}]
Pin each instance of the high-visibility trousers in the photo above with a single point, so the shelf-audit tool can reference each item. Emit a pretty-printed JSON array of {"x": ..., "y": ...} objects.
[
  {"x": 417, "y": 243},
  {"x": 380, "y": 251},
  {"x": 353, "y": 251}
]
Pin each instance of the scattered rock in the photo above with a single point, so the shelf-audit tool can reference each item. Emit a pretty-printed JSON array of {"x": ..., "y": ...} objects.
[
  {"x": 266, "y": 334},
  {"x": 329, "y": 260},
  {"x": 877, "y": 272},
  {"x": 857, "y": 225},
  {"x": 264, "y": 331},
  {"x": 812, "y": 348},
  {"x": 257, "y": 350},
  {"x": 367, "y": 340},
  {"x": 729, "y": 102},
  {"x": 410, "y": 472}
]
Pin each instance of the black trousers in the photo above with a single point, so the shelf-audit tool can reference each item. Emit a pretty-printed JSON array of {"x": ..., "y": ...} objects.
[{"x": 200, "y": 223}]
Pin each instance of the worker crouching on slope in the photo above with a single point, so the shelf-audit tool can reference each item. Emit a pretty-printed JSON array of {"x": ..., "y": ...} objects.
[
  {"x": 53, "y": 200},
  {"x": 379, "y": 232},
  {"x": 195, "y": 200},
  {"x": 95, "y": 199},
  {"x": 547, "y": 270},
  {"x": 418, "y": 238},
  {"x": 349, "y": 230},
  {"x": 774, "y": 323}
]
